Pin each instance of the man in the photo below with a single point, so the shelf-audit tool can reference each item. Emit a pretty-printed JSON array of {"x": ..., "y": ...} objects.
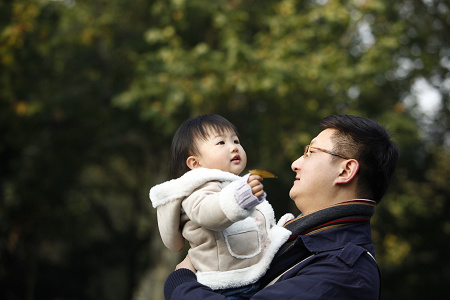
[{"x": 339, "y": 179}]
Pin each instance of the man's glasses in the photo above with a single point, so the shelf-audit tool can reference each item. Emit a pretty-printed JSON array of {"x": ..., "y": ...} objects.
[{"x": 307, "y": 152}]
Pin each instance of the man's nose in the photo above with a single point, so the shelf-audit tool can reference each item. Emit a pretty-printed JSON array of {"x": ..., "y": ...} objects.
[{"x": 296, "y": 165}]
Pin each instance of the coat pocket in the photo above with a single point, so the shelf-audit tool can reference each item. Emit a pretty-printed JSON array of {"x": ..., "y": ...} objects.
[{"x": 243, "y": 239}]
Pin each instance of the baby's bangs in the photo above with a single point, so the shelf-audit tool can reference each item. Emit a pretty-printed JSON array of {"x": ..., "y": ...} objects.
[{"x": 205, "y": 131}]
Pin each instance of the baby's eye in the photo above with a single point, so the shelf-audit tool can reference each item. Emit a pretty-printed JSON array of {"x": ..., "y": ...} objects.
[
  {"x": 221, "y": 143},
  {"x": 236, "y": 142}
]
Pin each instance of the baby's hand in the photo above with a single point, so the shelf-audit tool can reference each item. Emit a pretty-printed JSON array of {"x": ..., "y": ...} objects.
[{"x": 254, "y": 181}]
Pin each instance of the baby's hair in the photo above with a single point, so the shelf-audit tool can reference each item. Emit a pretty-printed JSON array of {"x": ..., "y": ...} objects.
[{"x": 184, "y": 142}]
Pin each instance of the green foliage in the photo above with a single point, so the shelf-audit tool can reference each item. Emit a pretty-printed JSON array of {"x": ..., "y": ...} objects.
[{"x": 92, "y": 91}]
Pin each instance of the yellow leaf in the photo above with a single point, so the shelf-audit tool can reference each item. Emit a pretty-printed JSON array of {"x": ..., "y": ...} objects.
[{"x": 262, "y": 173}]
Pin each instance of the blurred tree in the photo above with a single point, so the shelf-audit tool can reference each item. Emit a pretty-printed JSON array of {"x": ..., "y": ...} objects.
[
  {"x": 74, "y": 207},
  {"x": 92, "y": 91}
]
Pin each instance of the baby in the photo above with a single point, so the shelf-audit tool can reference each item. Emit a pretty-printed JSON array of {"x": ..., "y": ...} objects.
[{"x": 225, "y": 218}]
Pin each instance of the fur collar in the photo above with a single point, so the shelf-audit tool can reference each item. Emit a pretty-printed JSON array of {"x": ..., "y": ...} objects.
[{"x": 184, "y": 186}]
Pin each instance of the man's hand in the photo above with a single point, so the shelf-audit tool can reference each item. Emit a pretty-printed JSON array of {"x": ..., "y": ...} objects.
[
  {"x": 186, "y": 264},
  {"x": 254, "y": 181}
]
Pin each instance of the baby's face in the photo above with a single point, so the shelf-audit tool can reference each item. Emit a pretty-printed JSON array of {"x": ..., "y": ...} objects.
[{"x": 223, "y": 152}]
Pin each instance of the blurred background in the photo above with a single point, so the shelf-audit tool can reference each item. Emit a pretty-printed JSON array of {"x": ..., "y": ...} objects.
[{"x": 91, "y": 92}]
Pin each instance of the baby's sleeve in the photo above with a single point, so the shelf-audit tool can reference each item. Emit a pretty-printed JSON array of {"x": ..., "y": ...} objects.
[{"x": 244, "y": 195}]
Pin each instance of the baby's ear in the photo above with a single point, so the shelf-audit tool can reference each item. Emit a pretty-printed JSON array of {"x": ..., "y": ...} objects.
[{"x": 192, "y": 162}]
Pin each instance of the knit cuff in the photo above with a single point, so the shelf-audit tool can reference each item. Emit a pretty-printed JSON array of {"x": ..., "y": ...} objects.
[
  {"x": 244, "y": 195},
  {"x": 175, "y": 279}
]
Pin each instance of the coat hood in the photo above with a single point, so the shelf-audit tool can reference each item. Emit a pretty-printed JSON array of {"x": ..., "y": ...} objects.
[{"x": 167, "y": 198}]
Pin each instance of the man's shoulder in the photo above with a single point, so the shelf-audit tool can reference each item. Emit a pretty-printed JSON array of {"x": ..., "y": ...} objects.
[{"x": 352, "y": 252}]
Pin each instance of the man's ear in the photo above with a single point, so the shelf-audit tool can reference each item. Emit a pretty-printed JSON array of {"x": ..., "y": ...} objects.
[
  {"x": 192, "y": 162},
  {"x": 348, "y": 170}
]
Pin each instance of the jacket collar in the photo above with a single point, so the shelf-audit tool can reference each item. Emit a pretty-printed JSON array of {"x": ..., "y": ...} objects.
[
  {"x": 337, "y": 238},
  {"x": 342, "y": 214}
]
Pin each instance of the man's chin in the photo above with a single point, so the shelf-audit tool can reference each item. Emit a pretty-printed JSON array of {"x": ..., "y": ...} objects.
[{"x": 292, "y": 194}]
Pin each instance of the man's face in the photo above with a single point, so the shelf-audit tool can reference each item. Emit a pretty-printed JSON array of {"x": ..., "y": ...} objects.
[{"x": 315, "y": 175}]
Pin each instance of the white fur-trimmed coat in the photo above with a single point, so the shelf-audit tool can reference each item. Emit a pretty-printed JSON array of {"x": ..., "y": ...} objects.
[{"x": 230, "y": 246}]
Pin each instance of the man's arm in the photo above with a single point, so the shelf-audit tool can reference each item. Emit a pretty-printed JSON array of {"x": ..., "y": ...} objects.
[{"x": 323, "y": 277}]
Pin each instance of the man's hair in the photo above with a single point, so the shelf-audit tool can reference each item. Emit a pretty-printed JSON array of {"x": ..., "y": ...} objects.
[
  {"x": 370, "y": 144},
  {"x": 185, "y": 140}
]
